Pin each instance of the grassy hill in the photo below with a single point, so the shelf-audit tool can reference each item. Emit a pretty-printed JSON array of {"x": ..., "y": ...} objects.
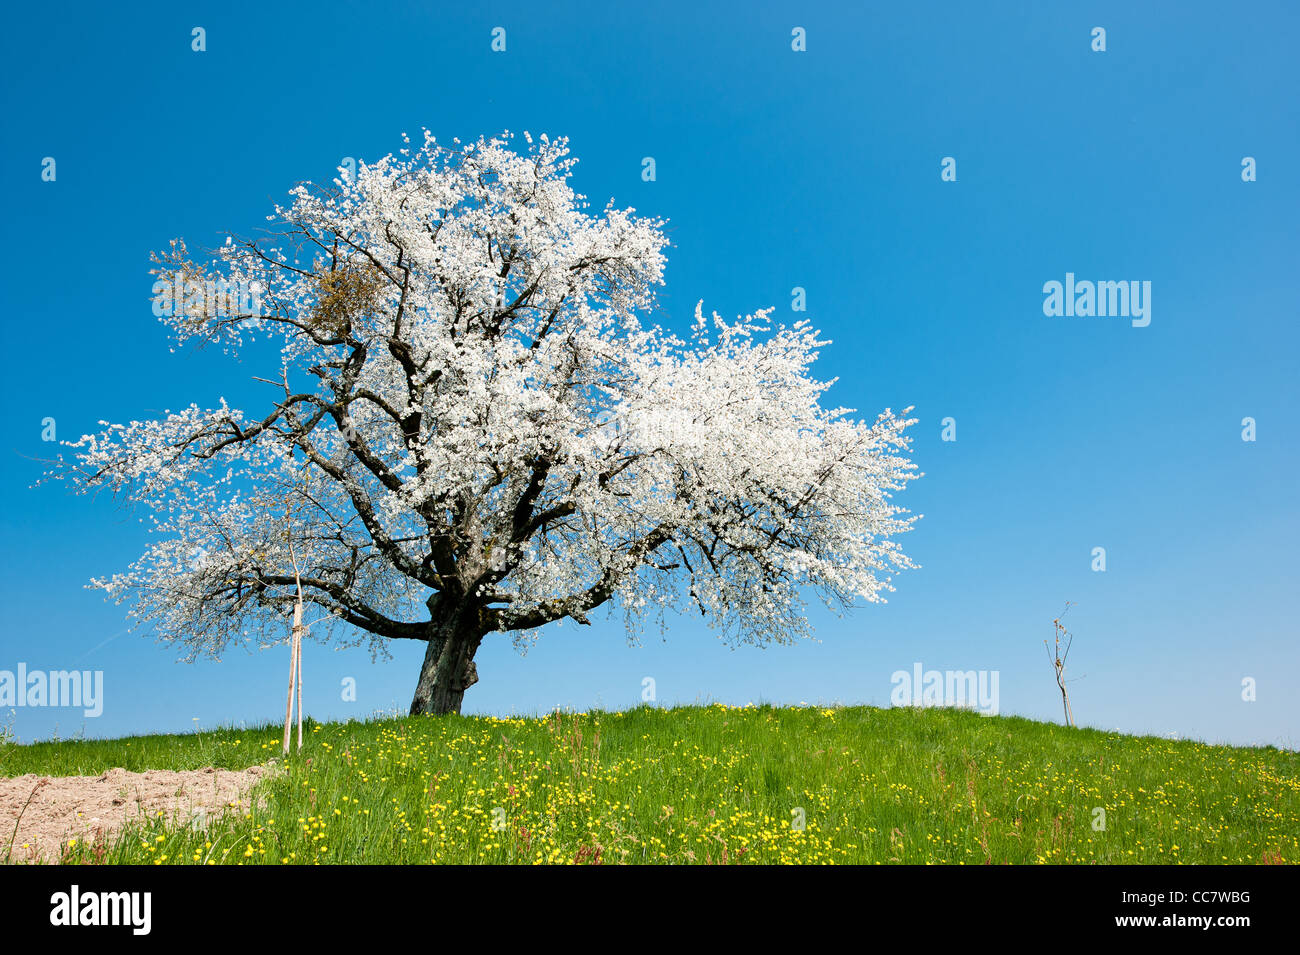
[{"x": 713, "y": 784}]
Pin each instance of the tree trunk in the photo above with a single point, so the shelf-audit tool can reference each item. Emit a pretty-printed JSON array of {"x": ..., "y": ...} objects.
[
  {"x": 448, "y": 669},
  {"x": 288, "y": 700}
]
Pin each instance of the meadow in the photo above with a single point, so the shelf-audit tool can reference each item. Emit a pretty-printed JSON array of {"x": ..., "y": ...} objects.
[{"x": 708, "y": 784}]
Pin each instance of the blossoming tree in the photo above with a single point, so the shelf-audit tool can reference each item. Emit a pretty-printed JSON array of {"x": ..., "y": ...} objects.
[{"x": 474, "y": 430}]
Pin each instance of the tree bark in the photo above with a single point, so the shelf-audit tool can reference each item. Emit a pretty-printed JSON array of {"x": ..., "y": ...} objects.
[{"x": 448, "y": 669}]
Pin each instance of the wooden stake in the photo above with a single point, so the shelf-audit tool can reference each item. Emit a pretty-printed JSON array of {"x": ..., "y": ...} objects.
[
  {"x": 298, "y": 650},
  {"x": 288, "y": 703},
  {"x": 295, "y": 668}
]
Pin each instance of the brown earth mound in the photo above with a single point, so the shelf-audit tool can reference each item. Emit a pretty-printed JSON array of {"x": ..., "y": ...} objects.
[{"x": 54, "y": 809}]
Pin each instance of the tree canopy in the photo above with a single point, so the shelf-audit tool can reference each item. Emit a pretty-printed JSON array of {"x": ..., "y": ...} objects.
[{"x": 475, "y": 427}]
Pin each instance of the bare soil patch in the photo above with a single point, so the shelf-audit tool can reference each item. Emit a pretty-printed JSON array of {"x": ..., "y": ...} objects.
[{"x": 54, "y": 809}]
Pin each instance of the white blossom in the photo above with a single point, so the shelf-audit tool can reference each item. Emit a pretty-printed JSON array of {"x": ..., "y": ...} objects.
[{"x": 472, "y": 406}]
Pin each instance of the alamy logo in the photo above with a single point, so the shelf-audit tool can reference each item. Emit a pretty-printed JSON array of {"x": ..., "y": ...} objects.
[
  {"x": 973, "y": 689},
  {"x": 219, "y": 298},
  {"x": 102, "y": 908},
  {"x": 1085, "y": 299},
  {"x": 84, "y": 688}
]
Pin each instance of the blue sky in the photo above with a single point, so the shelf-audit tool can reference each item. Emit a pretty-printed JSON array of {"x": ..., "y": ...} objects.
[{"x": 776, "y": 169}]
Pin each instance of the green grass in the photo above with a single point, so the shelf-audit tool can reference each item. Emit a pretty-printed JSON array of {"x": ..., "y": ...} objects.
[
  {"x": 713, "y": 784},
  {"x": 137, "y": 753}
]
